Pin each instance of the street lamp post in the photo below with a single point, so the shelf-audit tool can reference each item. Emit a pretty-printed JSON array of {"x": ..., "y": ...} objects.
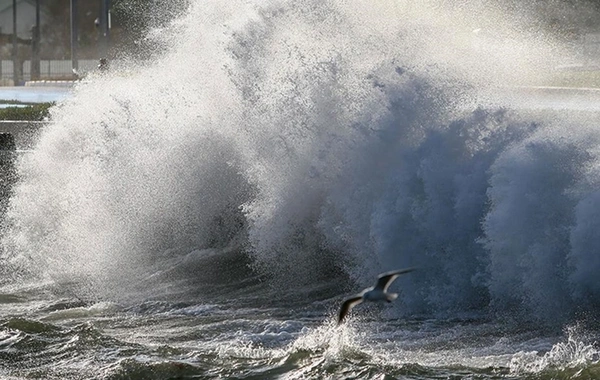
[
  {"x": 74, "y": 36},
  {"x": 15, "y": 48},
  {"x": 104, "y": 28},
  {"x": 35, "y": 44}
]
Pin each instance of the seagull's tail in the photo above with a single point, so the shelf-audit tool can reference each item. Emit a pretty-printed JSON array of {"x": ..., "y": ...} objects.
[{"x": 391, "y": 296}]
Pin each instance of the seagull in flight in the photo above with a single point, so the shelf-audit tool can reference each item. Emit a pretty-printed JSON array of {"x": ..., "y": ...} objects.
[{"x": 375, "y": 293}]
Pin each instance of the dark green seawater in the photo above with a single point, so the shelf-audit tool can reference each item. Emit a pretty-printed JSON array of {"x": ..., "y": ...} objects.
[{"x": 235, "y": 334}]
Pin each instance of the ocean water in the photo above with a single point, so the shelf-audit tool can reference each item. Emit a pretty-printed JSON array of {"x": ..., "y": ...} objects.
[
  {"x": 34, "y": 94},
  {"x": 204, "y": 212}
]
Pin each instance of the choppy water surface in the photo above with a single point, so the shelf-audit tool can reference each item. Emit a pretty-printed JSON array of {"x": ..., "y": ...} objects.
[
  {"x": 203, "y": 213},
  {"x": 251, "y": 336}
]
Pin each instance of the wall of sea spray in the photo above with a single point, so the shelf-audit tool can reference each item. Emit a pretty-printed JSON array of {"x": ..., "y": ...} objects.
[{"x": 315, "y": 137}]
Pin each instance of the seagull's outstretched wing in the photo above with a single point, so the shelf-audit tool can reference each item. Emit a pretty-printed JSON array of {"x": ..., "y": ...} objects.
[
  {"x": 385, "y": 279},
  {"x": 347, "y": 305}
]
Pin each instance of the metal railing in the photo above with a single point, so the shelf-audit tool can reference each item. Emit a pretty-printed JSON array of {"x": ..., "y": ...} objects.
[{"x": 49, "y": 69}]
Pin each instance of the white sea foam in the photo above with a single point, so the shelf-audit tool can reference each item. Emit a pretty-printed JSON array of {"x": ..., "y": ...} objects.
[{"x": 573, "y": 353}]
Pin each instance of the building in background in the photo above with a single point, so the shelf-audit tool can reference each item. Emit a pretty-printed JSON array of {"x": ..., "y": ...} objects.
[{"x": 25, "y": 18}]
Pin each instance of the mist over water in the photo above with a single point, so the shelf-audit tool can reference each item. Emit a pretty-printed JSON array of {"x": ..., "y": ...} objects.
[{"x": 320, "y": 137}]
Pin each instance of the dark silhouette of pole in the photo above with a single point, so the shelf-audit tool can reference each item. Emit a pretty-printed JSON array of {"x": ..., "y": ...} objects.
[
  {"x": 104, "y": 28},
  {"x": 15, "y": 48},
  {"x": 35, "y": 44},
  {"x": 74, "y": 36}
]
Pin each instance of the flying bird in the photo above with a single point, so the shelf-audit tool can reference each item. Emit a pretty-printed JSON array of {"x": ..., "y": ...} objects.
[{"x": 375, "y": 293}]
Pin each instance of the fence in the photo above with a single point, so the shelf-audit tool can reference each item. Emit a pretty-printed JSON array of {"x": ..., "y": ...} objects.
[{"x": 49, "y": 69}]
